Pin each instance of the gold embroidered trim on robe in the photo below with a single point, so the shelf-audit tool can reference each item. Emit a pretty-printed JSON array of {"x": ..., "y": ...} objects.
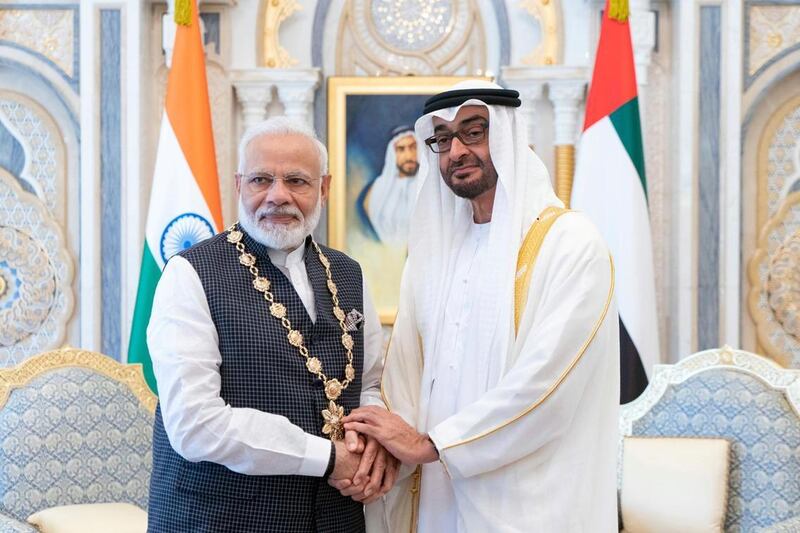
[{"x": 526, "y": 259}]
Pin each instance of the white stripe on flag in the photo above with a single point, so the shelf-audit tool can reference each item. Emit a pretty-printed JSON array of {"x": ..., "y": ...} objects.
[
  {"x": 608, "y": 189},
  {"x": 175, "y": 191}
]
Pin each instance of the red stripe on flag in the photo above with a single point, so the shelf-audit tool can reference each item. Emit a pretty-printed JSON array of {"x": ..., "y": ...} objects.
[{"x": 614, "y": 76}]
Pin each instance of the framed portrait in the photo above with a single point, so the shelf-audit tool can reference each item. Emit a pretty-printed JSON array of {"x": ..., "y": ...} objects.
[{"x": 375, "y": 164}]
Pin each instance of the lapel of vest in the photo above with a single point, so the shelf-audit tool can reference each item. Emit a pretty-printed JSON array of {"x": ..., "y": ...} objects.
[{"x": 319, "y": 284}]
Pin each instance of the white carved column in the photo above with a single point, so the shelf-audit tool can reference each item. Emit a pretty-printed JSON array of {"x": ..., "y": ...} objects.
[
  {"x": 567, "y": 96},
  {"x": 169, "y": 29},
  {"x": 254, "y": 100},
  {"x": 254, "y": 92},
  {"x": 643, "y": 36},
  {"x": 296, "y": 91},
  {"x": 566, "y": 86},
  {"x": 530, "y": 85},
  {"x": 295, "y": 87}
]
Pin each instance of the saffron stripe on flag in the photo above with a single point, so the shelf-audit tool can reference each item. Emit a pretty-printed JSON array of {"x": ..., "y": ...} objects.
[{"x": 187, "y": 106}]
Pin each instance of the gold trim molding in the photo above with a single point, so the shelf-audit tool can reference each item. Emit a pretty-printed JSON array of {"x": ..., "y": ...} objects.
[
  {"x": 762, "y": 255},
  {"x": 551, "y": 50},
  {"x": 771, "y": 213},
  {"x": 275, "y": 12},
  {"x": 129, "y": 375}
]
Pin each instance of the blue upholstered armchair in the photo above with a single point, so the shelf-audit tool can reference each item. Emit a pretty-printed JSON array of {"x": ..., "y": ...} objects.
[
  {"x": 749, "y": 401},
  {"x": 75, "y": 428}
]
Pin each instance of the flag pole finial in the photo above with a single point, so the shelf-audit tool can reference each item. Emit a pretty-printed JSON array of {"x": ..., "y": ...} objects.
[
  {"x": 618, "y": 10},
  {"x": 183, "y": 12}
]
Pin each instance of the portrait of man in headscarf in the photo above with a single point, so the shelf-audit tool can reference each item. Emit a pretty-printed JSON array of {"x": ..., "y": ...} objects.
[
  {"x": 385, "y": 204},
  {"x": 378, "y": 165}
]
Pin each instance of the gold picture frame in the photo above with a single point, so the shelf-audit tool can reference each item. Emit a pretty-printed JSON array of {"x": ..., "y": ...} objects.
[{"x": 380, "y": 104}]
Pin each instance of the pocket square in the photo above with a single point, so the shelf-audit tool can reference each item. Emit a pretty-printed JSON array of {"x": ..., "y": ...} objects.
[{"x": 353, "y": 320}]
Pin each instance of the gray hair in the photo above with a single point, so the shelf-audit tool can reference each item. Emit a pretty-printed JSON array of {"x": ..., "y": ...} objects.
[{"x": 281, "y": 126}]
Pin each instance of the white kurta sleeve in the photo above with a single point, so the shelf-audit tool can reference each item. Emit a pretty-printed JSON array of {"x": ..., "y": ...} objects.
[
  {"x": 556, "y": 351},
  {"x": 373, "y": 353},
  {"x": 184, "y": 347}
]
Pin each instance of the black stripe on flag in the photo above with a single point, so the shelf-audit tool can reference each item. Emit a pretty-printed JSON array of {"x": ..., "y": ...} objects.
[{"x": 633, "y": 379}]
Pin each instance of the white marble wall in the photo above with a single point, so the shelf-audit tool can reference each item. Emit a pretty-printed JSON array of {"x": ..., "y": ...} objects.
[
  {"x": 580, "y": 23},
  {"x": 668, "y": 59}
]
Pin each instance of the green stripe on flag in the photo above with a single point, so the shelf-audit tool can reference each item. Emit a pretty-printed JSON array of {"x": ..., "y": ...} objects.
[
  {"x": 629, "y": 128},
  {"x": 137, "y": 348}
]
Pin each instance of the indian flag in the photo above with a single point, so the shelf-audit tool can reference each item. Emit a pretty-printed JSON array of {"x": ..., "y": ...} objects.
[
  {"x": 611, "y": 188},
  {"x": 184, "y": 200}
]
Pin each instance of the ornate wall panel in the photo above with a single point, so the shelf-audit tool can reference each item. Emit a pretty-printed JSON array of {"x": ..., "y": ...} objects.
[
  {"x": 36, "y": 269},
  {"x": 50, "y": 33},
  {"x": 550, "y": 51},
  {"x": 273, "y": 55},
  {"x": 774, "y": 269},
  {"x": 43, "y": 173},
  {"x": 421, "y": 37},
  {"x": 36, "y": 272},
  {"x": 780, "y": 161},
  {"x": 772, "y": 31},
  {"x": 39, "y": 165}
]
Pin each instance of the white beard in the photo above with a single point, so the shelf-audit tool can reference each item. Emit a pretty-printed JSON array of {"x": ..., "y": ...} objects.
[{"x": 279, "y": 236}]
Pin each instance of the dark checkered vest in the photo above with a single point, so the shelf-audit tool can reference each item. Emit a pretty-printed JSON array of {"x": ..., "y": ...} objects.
[{"x": 261, "y": 370}]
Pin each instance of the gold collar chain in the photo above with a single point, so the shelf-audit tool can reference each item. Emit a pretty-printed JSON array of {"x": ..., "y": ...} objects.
[{"x": 333, "y": 387}]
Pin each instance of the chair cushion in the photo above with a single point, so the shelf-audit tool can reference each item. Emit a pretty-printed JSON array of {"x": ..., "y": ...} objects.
[
  {"x": 91, "y": 518},
  {"x": 674, "y": 484},
  {"x": 762, "y": 427}
]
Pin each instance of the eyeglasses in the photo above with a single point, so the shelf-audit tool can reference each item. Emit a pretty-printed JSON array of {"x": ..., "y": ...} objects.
[
  {"x": 295, "y": 183},
  {"x": 472, "y": 134}
]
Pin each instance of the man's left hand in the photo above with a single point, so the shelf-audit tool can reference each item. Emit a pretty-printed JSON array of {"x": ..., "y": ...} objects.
[
  {"x": 375, "y": 476},
  {"x": 399, "y": 439}
]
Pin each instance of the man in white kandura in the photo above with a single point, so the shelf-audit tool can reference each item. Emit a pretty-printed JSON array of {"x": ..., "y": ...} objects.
[
  {"x": 502, "y": 376},
  {"x": 388, "y": 200}
]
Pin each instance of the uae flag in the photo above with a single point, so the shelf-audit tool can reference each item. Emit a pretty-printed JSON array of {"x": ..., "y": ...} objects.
[
  {"x": 184, "y": 199},
  {"x": 611, "y": 188}
]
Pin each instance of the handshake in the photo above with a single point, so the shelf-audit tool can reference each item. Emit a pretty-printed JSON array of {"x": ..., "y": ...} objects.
[{"x": 375, "y": 443}]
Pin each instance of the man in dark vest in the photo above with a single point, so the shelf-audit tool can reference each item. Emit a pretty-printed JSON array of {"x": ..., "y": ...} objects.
[{"x": 262, "y": 340}]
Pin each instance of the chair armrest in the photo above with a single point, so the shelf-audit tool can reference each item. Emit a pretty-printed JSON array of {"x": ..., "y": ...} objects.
[
  {"x": 792, "y": 525},
  {"x": 12, "y": 525}
]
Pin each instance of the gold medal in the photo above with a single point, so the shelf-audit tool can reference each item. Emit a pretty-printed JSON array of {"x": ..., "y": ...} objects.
[{"x": 333, "y": 421}]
